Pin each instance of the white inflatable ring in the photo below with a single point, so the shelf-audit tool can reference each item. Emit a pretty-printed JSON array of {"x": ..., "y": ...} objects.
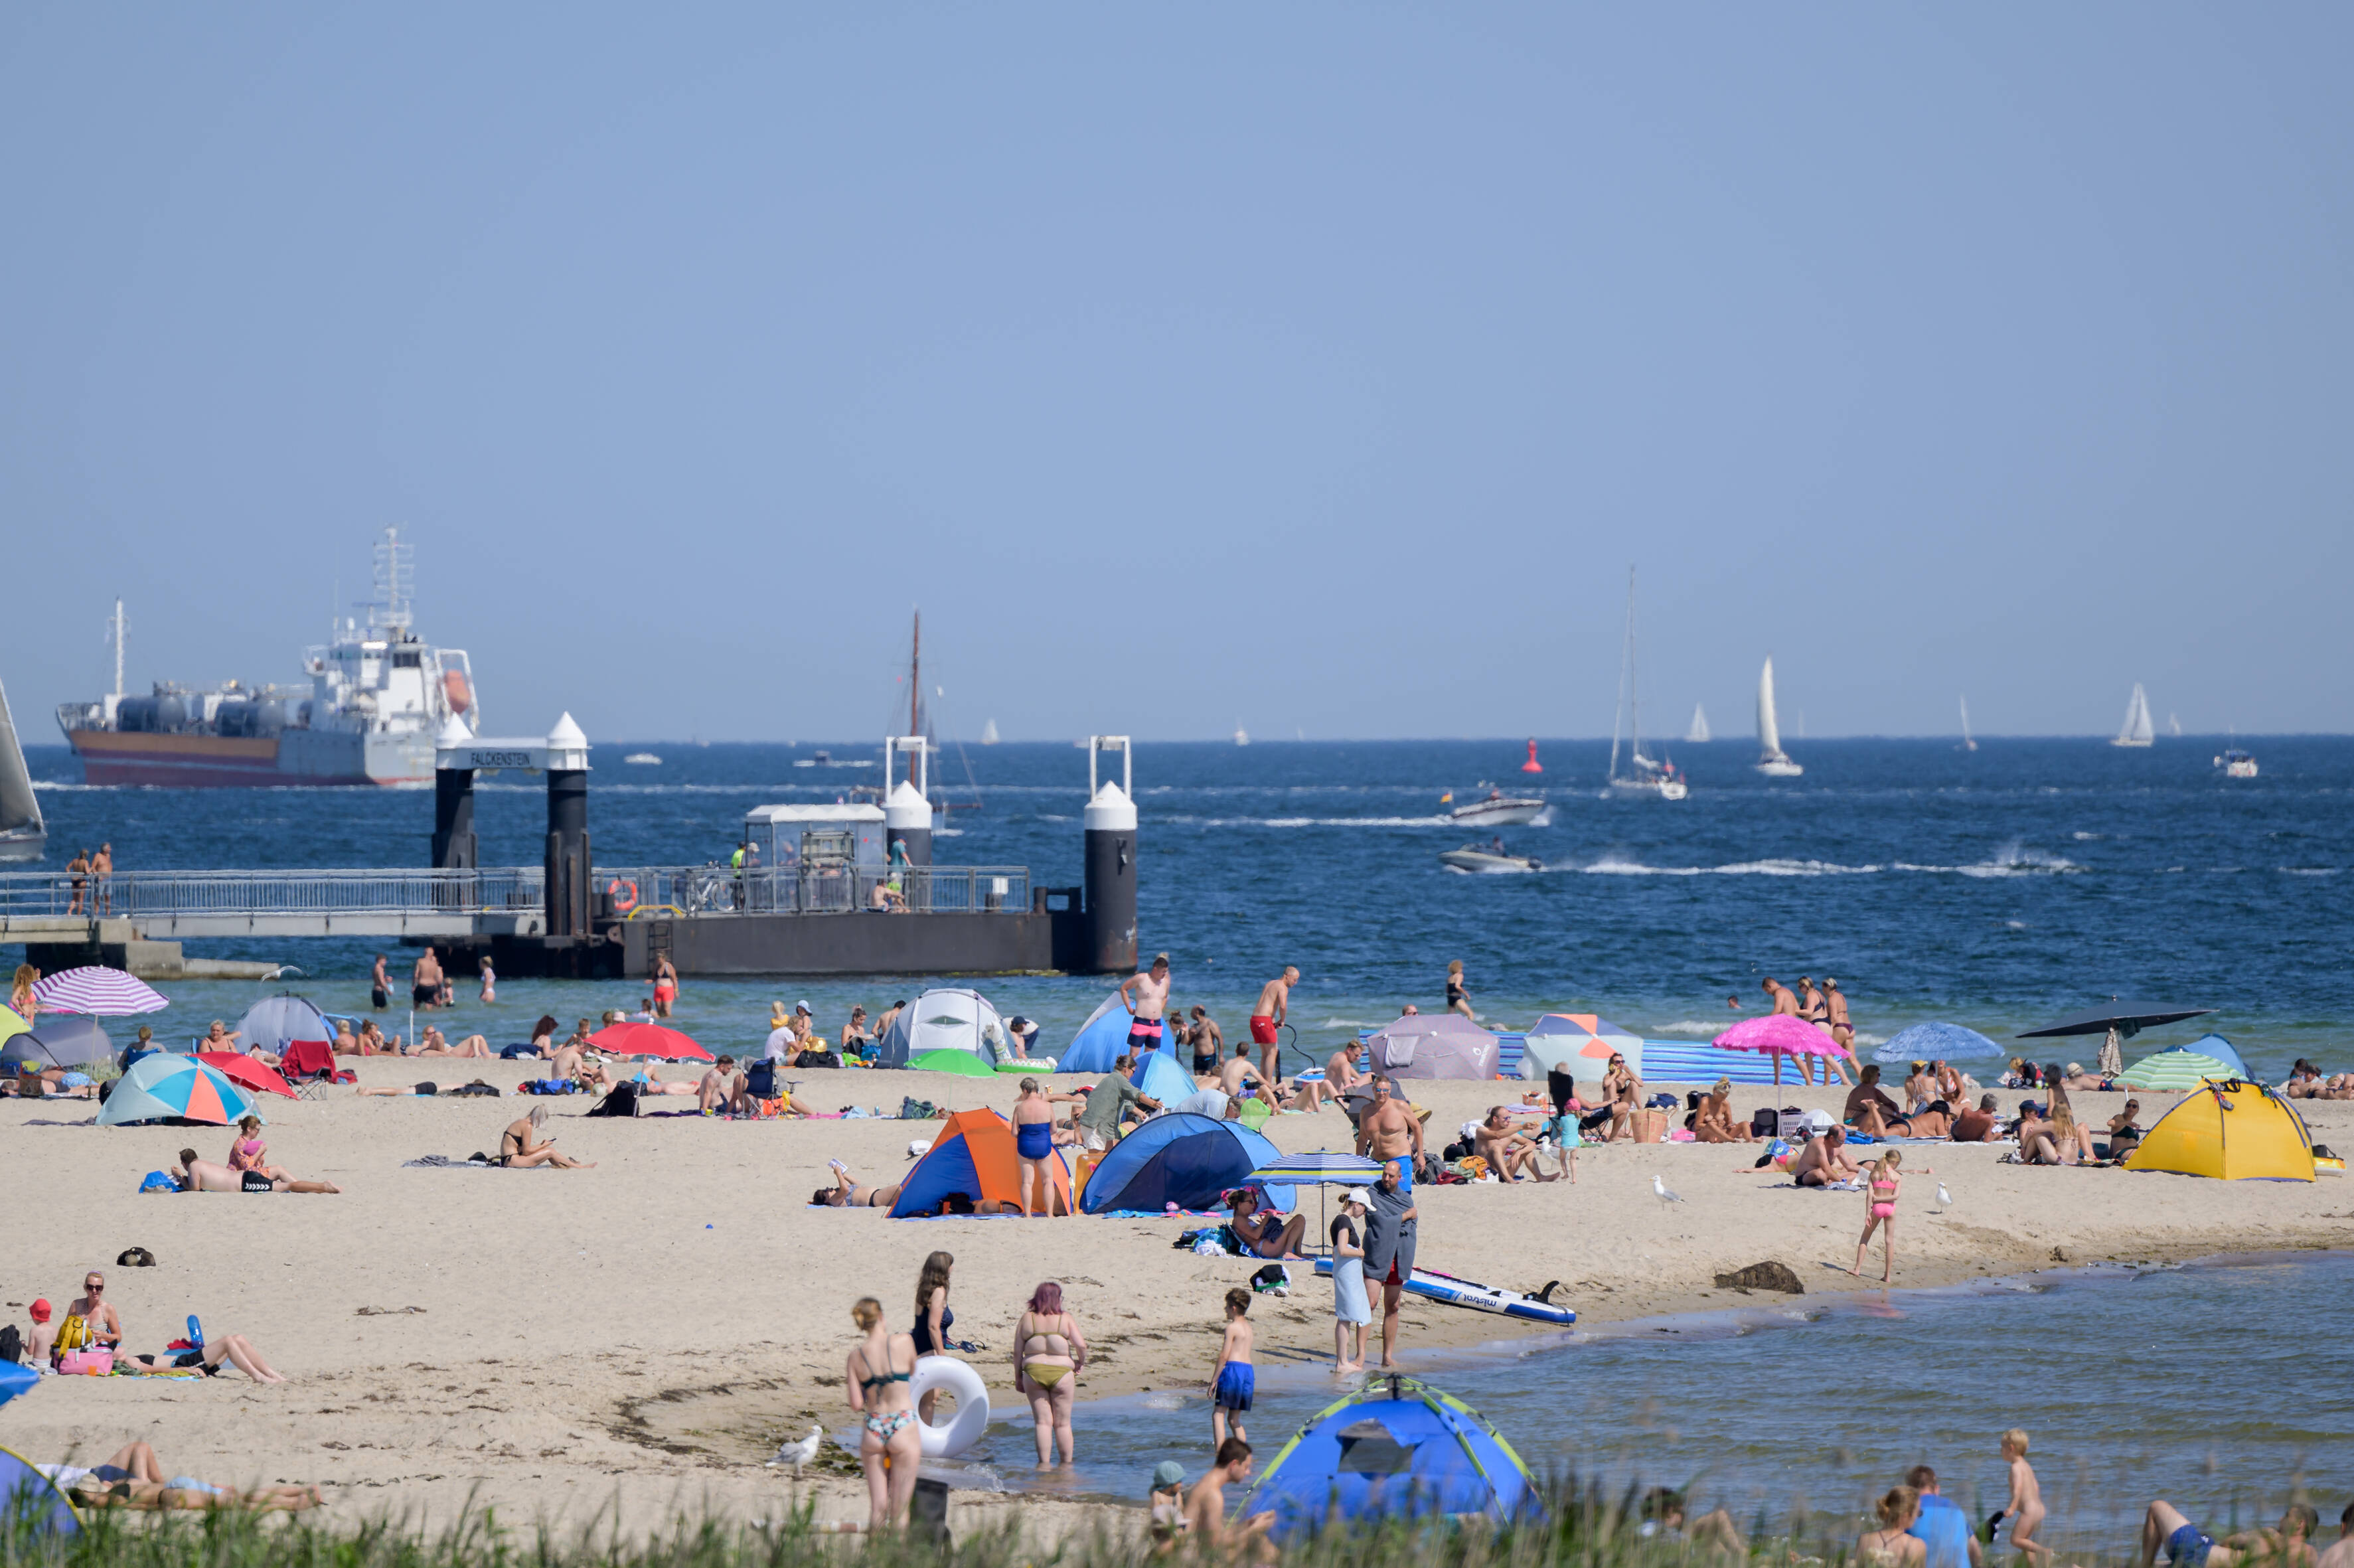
[{"x": 971, "y": 1416}]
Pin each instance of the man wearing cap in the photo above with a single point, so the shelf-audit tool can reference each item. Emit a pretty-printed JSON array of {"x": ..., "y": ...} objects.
[
  {"x": 44, "y": 1337},
  {"x": 1389, "y": 1247}
]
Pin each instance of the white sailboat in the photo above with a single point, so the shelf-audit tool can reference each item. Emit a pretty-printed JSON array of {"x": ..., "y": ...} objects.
[
  {"x": 1967, "y": 744},
  {"x": 1242, "y": 736},
  {"x": 2174, "y": 727},
  {"x": 1649, "y": 779},
  {"x": 1772, "y": 760},
  {"x": 23, "y": 835},
  {"x": 1698, "y": 734},
  {"x": 989, "y": 733},
  {"x": 2137, "y": 729}
]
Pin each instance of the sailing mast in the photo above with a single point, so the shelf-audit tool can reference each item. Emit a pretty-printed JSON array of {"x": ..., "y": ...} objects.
[{"x": 1967, "y": 744}]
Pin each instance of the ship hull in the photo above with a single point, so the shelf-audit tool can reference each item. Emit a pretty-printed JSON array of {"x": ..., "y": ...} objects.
[{"x": 296, "y": 757}]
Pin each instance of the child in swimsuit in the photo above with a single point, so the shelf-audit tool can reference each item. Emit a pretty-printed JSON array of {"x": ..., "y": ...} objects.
[{"x": 1883, "y": 1178}]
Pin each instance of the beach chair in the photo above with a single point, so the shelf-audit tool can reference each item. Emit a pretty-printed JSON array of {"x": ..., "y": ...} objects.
[{"x": 309, "y": 1067}]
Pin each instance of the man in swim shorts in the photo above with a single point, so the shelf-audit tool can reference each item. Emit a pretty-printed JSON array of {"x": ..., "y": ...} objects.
[
  {"x": 1209, "y": 1042},
  {"x": 1268, "y": 1015},
  {"x": 425, "y": 981},
  {"x": 2288, "y": 1543},
  {"x": 1145, "y": 997},
  {"x": 1390, "y": 1130}
]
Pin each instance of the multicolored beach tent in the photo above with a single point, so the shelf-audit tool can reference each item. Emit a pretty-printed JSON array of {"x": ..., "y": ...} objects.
[
  {"x": 974, "y": 1155},
  {"x": 2179, "y": 1067},
  {"x": 1395, "y": 1449},
  {"x": 1583, "y": 1043},
  {"x": 162, "y": 1085},
  {"x": 2232, "y": 1131}
]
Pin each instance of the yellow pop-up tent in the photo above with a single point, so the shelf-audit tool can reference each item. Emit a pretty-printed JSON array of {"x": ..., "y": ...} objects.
[{"x": 2232, "y": 1131}]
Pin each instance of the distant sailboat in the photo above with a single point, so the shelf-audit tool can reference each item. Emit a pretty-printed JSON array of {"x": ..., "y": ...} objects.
[
  {"x": 1646, "y": 777},
  {"x": 1772, "y": 760},
  {"x": 1967, "y": 744},
  {"x": 2137, "y": 730},
  {"x": 2174, "y": 727},
  {"x": 1242, "y": 736},
  {"x": 1698, "y": 734},
  {"x": 989, "y": 733}
]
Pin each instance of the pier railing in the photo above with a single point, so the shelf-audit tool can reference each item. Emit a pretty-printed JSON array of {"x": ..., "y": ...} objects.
[
  {"x": 644, "y": 891},
  {"x": 132, "y": 894}
]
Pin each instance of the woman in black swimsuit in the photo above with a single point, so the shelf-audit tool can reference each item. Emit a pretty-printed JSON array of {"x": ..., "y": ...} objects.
[
  {"x": 933, "y": 1319},
  {"x": 1458, "y": 999}
]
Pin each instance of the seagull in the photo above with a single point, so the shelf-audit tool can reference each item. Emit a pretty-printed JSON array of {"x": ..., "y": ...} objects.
[
  {"x": 801, "y": 1453},
  {"x": 1945, "y": 1199},
  {"x": 1661, "y": 1189}
]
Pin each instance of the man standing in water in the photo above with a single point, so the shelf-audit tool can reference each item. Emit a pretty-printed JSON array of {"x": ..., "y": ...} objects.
[
  {"x": 1266, "y": 1017},
  {"x": 1145, "y": 997},
  {"x": 1390, "y": 1130},
  {"x": 425, "y": 981},
  {"x": 379, "y": 985},
  {"x": 1843, "y": 1031}
]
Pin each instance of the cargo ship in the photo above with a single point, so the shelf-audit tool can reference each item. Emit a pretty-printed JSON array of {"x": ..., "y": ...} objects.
[{"x": 377, "y": 696}]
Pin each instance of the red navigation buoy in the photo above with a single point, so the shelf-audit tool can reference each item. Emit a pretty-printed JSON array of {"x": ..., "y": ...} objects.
[{"x": 1532, "y": 765}]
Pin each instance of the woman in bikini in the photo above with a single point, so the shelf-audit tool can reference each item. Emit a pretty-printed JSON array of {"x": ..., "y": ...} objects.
[
  {"x": 846, "y": 1193},
  {"x": 518, "y": 1152},
  {"x": 1033, "y": 1145},
  {"x": 875, "y": 1378},
  {"x": 1048, "y": 1351},
  {"x": 1881, "y": 1180},
  {"x": 249, "y": 1152},
  {"x": 1889, "y": 1546}
]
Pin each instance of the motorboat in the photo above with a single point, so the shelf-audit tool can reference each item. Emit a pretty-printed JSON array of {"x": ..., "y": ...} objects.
[
  {"x": 1491, "y": 856},
  {"x": 1647, "y": 779},
  {"x": 642, "y": 759},
  {"x": 1496, "y": 810},
  {"x": 2237, "y": 764}
]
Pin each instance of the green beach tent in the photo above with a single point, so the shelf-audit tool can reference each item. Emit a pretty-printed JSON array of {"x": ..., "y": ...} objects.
[
  {"x": 948, "y": 1059},
  {"x": 2178, "y": 1068}
]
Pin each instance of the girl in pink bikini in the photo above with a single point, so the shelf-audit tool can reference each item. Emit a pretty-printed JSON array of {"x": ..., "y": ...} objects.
[
  {"x": 247, "y": 1153},
  {"x": 1881, "y": 1180}
]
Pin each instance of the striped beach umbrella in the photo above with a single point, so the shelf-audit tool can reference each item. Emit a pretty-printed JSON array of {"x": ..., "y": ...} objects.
[
  {"x": 647, "y": 1040},
  {"x": 1318, "y": 1167},
  {"x": 164, "y": 1085},
  {"x": 2180, "y": 1068},
  {"x": 95, "y": 989}
]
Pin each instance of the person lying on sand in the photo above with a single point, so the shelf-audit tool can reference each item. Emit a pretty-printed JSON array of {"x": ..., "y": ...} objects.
[
  {"x": 2288, "y": 1543},
  {"x": 196, "y": 1175},
  {"x": 1824, "y": 1160},
  {"x": 438, "y": 1045},
  {"x": 235, "y": 1350},
  {"x": 1871, "y": 1112},
  {"x": 518, "y": 1151},
  {"x": 188, "y": 1492},
  {"x": 846, "y": 1193},
  {"x": 1663, "y": 1516},
  {"x": 132, "y": 1462}
]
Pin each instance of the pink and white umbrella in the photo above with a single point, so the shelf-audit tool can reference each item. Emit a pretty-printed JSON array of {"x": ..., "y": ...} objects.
[
  {"x": 1781, "y": 1035},
  {"x": 95, "y": 989}
]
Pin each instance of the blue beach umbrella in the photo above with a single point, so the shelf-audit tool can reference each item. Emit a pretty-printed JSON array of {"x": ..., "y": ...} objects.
[{"x": 1938, "y": 1042}]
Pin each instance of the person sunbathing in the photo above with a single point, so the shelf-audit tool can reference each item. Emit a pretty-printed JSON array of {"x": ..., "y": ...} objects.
[
  {"x": 649, "y": 1083},
  {"x": 1713, "y": 1122},
  {"x": 196, "y": 1175},
  {"x": 2124, "y": 1131},
  {"x": 517, "y": 1151},
  {"x": 2039, "y": 1140},
  {"x": 1259, "y": 1233},
  {"x": 1870, "y": 1111},
  {"x": 1932, "y": 1121},
  {"x": 438, "y": 1045},
  {"x": 234, "y": 1350},
  {"x": 247, "y": 1151},
  {"x": 219, "y": 1037},
  {"x": 722, "y": 1088},
  {"x": 1824, "y": 1160},
  {"x": 1920, "y": 1089},
  {"x": 134, "y": 1461},
  {"x": 346, "y": 1044},
  {"x": 188, "y": 1492},
  {"x": 846, "y": 1193},
  {"x": 1507, "y": 1148}
]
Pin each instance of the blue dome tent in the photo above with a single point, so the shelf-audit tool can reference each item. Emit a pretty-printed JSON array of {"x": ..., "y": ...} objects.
[
  {"x": 1181, "y": 1159},
  {"x": 26, "y": 1495},
  {"x": 1397, "y": 1449},
  {"x": 1100, "y": 1041},
  {"x": 2215, "y": 1046},
  {"x": 1159, "y": 1076}
]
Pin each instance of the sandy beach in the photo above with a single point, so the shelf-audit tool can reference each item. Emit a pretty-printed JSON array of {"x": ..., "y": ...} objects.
[{"x": 627, "y": 1341}]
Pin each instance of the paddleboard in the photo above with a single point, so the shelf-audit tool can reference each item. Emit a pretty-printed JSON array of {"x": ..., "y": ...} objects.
[{"x": 1447, "y": 1288}]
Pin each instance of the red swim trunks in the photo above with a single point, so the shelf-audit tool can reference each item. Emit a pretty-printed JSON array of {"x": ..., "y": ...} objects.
[{"x": 1262, "y": 1029}]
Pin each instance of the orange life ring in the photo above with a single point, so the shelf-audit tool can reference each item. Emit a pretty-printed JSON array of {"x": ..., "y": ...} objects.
[{"x": 613, "y": 890}]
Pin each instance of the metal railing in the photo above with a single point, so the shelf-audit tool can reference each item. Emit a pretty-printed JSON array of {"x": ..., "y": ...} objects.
[
  {"x": 129, "y": 895},
  {"x": 638, "y": 891},
  {"x": 641, "y": 892}
]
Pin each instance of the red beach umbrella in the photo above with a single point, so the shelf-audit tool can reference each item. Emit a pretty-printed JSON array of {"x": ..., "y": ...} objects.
[
  {"x": 1779, "y": 1033},
  {"x": 648, "y": 1040},
  {"x": 245, "y": 1072}
]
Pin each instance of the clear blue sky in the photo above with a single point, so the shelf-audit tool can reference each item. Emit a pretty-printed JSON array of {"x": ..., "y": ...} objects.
[{"x": 1314, "y": 366}]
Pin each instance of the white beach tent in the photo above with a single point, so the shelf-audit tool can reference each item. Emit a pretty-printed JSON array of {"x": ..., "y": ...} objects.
[{"x": 945, "y": 1020}]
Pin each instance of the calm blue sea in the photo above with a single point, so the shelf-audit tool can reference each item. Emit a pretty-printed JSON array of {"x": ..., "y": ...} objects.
[
  {"x": 1998, "y": 889},
  {"x": 2219, "y": 1386}
]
